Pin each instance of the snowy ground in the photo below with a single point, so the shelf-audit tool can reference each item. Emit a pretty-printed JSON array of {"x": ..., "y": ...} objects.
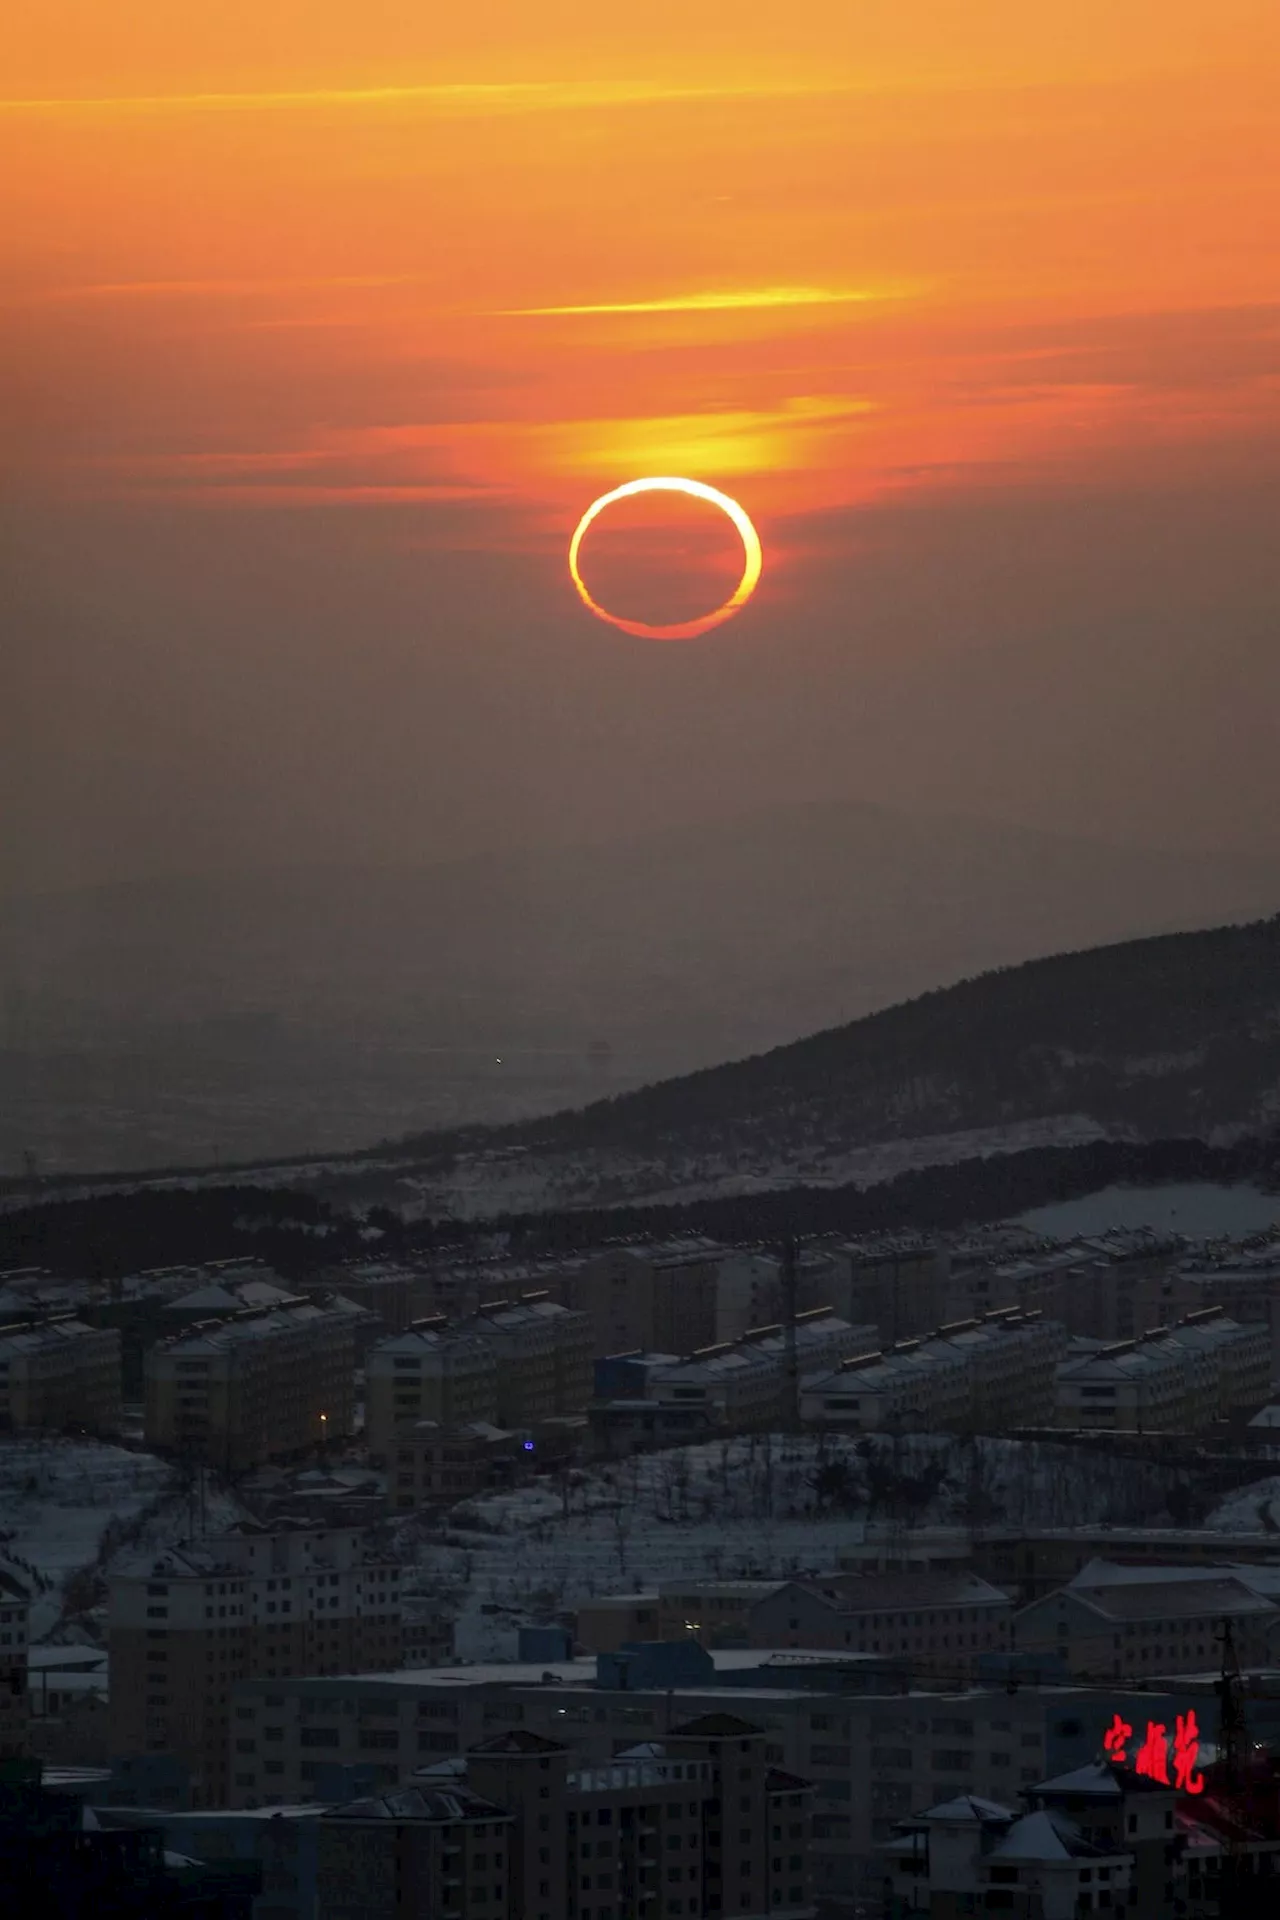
[
  {"x": 1253, "y": 1508},
  {"x": 755, "y": 1506},
  {"x": 68, "y": 1508}
]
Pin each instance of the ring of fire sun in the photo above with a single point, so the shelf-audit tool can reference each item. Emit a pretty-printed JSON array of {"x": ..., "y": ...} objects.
[{"x": 752, "y": 556}]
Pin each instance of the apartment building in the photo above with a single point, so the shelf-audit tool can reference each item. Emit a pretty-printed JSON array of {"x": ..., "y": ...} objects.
[
  {"x": 59, "y": 1373},
  {"x": 435, "y": 1370},
  {"x": 1131, "y": 1623},
  {"x": 971, "y": 1376},
  {"x": 429, "y": 1464},
  {"x": 972, "y": 1855},
  {"x": 387, "y": 1291},
  {"x": 419, "y": 1848},
  {"x": 514, "y": 1827},
  {"x": 715, "y": 1613},
  {"x": 895, "y": 1282},
  {"x": 544, "y": 1357},
  {"x": 750, "y": 1289},
  {"x": 1178, "y": 1379},
  {"x": 513, "y": 1364},
  {"x": 934, "y": 1623},
  {"x": 872, "y": 1757},
  {"x": 652, "y": 1299},
  {"x": 742, "y": 1384},
  {"x": 15, "y": 1606},
  {"x": 263, "y": 1385},
  {"x": 184, "y": 1627},
  {"x": 1240, "y": 1356}
]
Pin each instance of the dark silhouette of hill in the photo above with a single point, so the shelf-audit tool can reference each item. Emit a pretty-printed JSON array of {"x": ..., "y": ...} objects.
[
  {"x": 314, "y": 1010},
  {"x": 1172, "y": 1036}
]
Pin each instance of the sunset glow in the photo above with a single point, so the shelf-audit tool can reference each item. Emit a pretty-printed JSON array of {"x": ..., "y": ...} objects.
[{"x": 392, "y": 294}]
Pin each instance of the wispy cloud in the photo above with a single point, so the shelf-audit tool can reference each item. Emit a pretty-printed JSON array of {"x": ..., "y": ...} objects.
[
  {"x": 518, "y": 96},
  {"x": 722, "y": 300}
]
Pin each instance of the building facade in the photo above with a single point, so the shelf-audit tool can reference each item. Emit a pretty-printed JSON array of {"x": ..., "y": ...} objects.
[
  {"x": 184, "y": 1628},
  {"x": 59, "y": 1373},
  {"x": 431, "y": 1465},
  {"x": 973, "y": 1376},
  {"x": 264, "y": 1385},
  {"x": 940, "y": 1624},
  {"x": 15, "y": 1711}
]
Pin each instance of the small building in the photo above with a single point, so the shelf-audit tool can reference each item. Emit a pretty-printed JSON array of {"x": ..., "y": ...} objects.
[
  {"x": 935, "y": 1623},
  {"x": 434, "y": 1465},
  {"x": 611, "y": 1621}
]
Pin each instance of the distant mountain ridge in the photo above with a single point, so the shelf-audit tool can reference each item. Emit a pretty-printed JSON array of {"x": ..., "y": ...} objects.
[
  {"x": 315, "y": 1010},
  {"x": 1177, "y": 1035}
]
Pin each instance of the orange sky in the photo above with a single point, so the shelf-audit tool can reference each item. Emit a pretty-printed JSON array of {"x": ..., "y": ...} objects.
[
  {"x": 485, "y": 261},
  {"x": 307, "y": 251}
]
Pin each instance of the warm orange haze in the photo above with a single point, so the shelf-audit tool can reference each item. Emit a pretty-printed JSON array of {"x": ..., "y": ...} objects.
[{"x": 322, "y": 324}]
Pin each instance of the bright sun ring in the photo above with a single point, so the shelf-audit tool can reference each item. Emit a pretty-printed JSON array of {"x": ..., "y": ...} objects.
[{"x": 753, "y": 557}]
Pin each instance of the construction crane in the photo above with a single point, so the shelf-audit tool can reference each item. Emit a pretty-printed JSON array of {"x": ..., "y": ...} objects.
[
  {"x": 1236, "y": 1889},
  {"x": 792, "y": 1367}
]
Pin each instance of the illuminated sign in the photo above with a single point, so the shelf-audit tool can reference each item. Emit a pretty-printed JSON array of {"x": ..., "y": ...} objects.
[{"x": 1156, "y": 1753}]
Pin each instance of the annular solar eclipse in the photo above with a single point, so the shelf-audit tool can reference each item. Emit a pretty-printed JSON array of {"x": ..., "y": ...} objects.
[{"x": 752, "y": 555}]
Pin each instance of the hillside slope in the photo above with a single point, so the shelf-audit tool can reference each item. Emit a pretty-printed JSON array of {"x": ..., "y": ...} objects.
[
  {"x": 1178, "y": 1035},
  {"x": 313, "y": 1011}
]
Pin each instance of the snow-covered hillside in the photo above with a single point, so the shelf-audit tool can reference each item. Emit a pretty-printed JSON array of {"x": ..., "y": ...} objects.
[
  {"x": 760, "y": 1505},
  {"x": 68, "y": 1507}
]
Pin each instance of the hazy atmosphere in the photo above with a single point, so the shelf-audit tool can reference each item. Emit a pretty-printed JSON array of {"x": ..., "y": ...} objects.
[
  {"x": 313, "y": 355},
  {"x": 640, "y": 960}
]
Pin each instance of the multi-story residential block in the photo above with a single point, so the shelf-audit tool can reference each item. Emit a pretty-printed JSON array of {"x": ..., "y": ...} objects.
[
  {"x": 261, "y": 1386},
  {"x": 896, "y": 1282},
  {"x": 715, "y": 1613},
  {"x": 435, "y": 1371},
  {"x": 419, "y": 1848},
  {"x": 543, "y": 1351},
  {"x": 60, "y": 1373},
  {"x": 184, "y": 1627},
  {"x": 872, "y": 1758},
  {"x": 651, "y": 1299},
  {"x": 972, "y": 1855},
  {"x": 750, "y": 1289},
  {"x": 935, "y": 1623},
  {"x": 15, "y": 1605},
  {"x": 1132, "y": 1623},
  {"x": 1240, "y": 1355},
  {"x": 971, "y": 1376},
  {"x": 696, "y": 1825},
  {"x": 514, "y": 1364},
  {"x": 427, "y": 1463},
  {"x": 387, "y": 1291},
  {"x": 1172, "y": 1379},
  {"x": 740, "y": 1385}
]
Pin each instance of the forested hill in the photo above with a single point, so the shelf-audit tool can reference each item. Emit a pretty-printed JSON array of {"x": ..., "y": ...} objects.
[{"x": 1174, "y": 1035}]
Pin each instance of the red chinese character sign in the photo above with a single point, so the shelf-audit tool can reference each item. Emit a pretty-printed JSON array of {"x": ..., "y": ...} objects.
[
  {"x": 1155, "y": 1751},
  {"x": 1153, "y": 1755},
  {"x": 1186, "y": 1751}
]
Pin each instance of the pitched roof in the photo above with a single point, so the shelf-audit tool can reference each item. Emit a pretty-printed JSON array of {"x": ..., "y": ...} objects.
[
  {"x": 970, "y": 1806},
  {"x": 901, "y": 1593},
  {"x": 519, "y": 1741},
  {"x": 1172, "y": 1600},
  {"x": 1044, "y": 1836},
  {"x": 1100, "y": 1780},
  {"x": 420, "y": 1802}
]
